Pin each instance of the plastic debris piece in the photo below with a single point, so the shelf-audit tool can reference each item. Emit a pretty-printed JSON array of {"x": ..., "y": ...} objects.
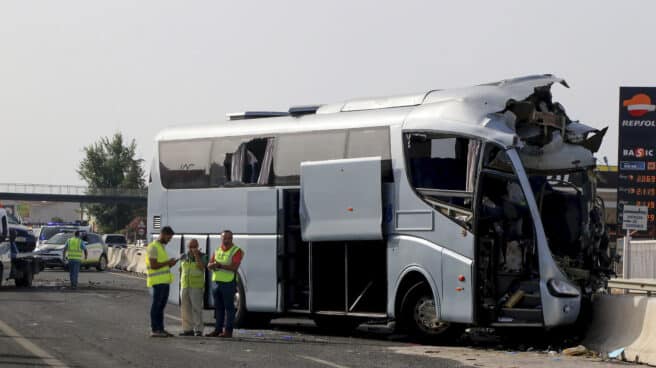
[
  {"x": 576, "y": 351},
  {"x": 615, "y": 354}
]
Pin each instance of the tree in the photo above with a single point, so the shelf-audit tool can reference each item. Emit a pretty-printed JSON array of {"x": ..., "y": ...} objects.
[{"x": 110, "y": 163}]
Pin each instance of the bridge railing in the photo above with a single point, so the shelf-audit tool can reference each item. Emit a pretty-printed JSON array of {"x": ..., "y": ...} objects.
[{"x": 24, "y": 188}]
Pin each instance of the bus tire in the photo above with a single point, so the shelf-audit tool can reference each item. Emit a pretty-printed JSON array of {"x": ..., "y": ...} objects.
[
  {"x": 244, "y": 318},
  {"x": 418, "y": 315}
]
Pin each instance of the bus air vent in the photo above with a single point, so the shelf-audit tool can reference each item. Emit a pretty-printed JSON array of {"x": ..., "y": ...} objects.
[
  {"x": 256, "y": 115},
  {"x": 157, "y": 222},
  {"x": 303, "y": 110}
]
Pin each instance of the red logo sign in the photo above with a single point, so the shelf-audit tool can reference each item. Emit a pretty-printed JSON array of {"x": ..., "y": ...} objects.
[{"x": 639, "y": 104}]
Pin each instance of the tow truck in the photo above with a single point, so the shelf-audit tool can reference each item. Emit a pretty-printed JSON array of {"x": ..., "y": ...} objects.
[{"x": 16, "y": 265}]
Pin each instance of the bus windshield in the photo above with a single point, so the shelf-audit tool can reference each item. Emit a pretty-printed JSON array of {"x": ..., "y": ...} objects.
[{"x": 572, "y": 217}]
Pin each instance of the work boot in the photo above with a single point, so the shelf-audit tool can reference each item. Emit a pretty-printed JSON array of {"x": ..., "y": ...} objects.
[
  {"x": 226, "y": 334},
  {"x": 214, "y": 333},
  {"x": 168, "y": 334},
  {"x": 158, "y": 334}
]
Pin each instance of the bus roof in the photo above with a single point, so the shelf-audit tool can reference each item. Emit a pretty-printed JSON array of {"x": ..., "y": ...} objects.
[{"x": 476, "y": 111}]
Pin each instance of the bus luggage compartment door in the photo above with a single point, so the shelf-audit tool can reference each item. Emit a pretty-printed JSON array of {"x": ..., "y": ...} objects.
[{"x": 341, "y": 200}]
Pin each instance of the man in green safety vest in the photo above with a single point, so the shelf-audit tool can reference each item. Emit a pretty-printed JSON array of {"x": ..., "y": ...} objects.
[
  {"x": 224, "y": 265},
  {"x": 74, "y": 249},
  {"x": 192, "y": 286},
  {"x": 159, "y": 278}
]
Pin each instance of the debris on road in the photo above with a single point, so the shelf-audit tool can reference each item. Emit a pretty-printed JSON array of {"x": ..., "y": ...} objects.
[
  {"x": 617, "y": 354},
  {"x": 576, "y": 351}
]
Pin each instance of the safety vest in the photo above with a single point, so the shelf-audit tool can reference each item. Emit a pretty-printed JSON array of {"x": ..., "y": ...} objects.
[
  {"x": 192, "y": 277},
  {"x": 74, "y": 249},
  {"x": 224, "y": 258},
  {"x": 161, "y": 275}
]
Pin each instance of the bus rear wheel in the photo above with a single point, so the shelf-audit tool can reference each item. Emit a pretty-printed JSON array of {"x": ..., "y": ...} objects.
[{"x": 419, "y": 315}]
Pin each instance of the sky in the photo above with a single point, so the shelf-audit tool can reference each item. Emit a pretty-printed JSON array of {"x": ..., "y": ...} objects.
[{"x": 74, "y": 71}]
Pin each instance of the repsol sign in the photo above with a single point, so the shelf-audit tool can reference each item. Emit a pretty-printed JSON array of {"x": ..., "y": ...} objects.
[{"x": 639, "y": 123}]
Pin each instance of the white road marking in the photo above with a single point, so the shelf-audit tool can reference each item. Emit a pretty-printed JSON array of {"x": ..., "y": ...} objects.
[
  {"x": 173, "y": 317},
  {"x": 47, "y": 359},
  {"x": 128, "y": 276},
  {"x": 321, "y": 361}
]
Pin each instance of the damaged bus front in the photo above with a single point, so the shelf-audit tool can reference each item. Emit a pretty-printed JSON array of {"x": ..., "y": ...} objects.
[{"x": 528, "y": 195}]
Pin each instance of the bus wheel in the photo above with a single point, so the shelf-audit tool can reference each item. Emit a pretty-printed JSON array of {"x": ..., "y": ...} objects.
[
  {"x": 419, "y": 314},
  {"x": 244, "y": 318}
]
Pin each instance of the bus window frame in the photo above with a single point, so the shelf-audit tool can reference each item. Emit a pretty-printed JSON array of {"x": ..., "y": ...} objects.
[{"x": 440, "y": 206}]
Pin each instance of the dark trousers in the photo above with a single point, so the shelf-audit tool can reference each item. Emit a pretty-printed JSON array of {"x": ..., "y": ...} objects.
[
  {"x": 224, "y": 305},
  {"x": 160, "y": 298},
  {"x": 73, "y": 272}
]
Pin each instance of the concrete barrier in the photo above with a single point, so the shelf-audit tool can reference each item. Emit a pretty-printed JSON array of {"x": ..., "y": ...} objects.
[
  {"x": 624, "y": 322},
  {"x": 112, "y": 257},
  {"x": 129, "y": 259}
]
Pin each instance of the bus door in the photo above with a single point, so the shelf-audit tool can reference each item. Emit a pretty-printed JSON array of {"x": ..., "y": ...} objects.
[
  {"x": 341, "y": 213},
  {"x": 519, "y": 282}
]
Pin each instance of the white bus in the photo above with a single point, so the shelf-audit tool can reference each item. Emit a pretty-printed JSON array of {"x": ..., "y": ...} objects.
[{"x": 435, "y": 210}]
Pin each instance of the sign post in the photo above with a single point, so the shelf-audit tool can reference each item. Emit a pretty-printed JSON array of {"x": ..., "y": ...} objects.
[
  {"x": 633, "y": 218},
  {"x": 637, "y": 153}
]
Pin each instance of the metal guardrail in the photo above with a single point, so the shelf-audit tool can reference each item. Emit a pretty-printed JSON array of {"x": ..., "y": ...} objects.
[
  {"x": 643, "y": 285},
  {"x": 78, "y": 190}
]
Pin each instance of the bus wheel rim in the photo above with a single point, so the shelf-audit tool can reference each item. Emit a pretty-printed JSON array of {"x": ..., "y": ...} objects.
[{"x": 425, "y": 316}]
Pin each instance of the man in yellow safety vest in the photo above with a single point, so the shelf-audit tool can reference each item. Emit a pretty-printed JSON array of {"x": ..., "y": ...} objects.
[
  {"x": 192, "y": 286},
  {"x": 224, "y": 265},
  {"x": 159, "y": 278},
  {"x": 74, "y": 249}
]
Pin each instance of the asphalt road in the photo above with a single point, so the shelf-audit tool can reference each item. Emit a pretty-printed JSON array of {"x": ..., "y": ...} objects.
[{"x": 105, "y": 323}]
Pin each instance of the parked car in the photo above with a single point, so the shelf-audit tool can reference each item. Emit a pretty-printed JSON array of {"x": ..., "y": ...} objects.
[
  {"x": 48, "y": 231},
  {"x": 52, "y": 251},
  {"x": 115, "y": 240}
]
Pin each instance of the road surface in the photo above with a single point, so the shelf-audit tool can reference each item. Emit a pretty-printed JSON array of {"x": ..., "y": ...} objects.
[{"x": 105, "y": 323}]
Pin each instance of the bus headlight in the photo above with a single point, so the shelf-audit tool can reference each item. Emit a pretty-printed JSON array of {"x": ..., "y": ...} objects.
[{"x": 562, "y": 288}]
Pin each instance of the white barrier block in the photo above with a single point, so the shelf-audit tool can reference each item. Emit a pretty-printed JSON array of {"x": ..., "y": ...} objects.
[{"x": 624, "y": 321}]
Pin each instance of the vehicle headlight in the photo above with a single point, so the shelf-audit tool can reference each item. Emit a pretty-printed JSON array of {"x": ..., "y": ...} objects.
[{"x": 562, "y": 288}]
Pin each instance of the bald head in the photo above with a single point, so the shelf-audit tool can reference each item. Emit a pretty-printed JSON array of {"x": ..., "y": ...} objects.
[{"x": 193, "y": 244}]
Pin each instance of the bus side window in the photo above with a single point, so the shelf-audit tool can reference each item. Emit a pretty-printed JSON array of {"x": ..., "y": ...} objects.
[
  {"x": 371, "y": 142},
  {"x": 185, "y": 164},
  {"x": 251, "y": 162},
  {"x": 443, "y": 163},
  {"x": 292, "y": 149}
]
